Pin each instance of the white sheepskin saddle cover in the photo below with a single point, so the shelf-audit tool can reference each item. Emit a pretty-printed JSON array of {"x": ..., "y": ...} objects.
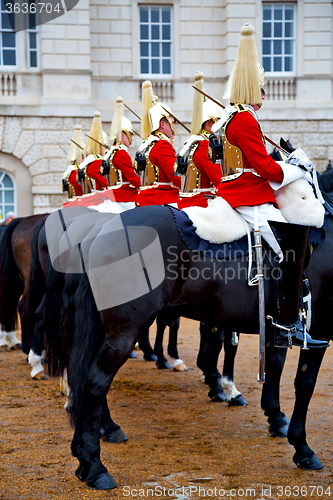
[{"x": 220, "y": 223}]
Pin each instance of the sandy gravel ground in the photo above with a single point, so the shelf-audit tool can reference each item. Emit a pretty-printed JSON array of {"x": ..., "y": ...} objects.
[{"x": 180, "y": 445}]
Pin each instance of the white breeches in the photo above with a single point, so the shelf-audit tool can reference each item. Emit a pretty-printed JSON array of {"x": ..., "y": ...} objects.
[{"x": 266, "y": 212}]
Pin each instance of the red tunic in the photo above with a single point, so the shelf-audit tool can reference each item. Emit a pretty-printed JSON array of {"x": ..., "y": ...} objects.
[
  {"x": 92, "y": 171},
  {"x": 77, "y": 186},
  {"x": 248, "y": 189},
  {"x": 125, "y": 192},
  {"x": 210, "y": 177},
  {"x": 164, "y": 157}
]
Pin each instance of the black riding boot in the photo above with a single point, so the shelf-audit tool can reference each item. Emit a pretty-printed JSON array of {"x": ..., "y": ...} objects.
[{"x": 289, "y": 330}]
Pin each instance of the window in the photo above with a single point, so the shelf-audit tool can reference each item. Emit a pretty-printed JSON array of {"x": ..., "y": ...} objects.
[
  {"x": 7, "y": 194},
  {"x": 7, "y": 38},
  {"x": 155, "y": 40},
  {"x": 9, "y": 45},
  {"x": 278, "y": 44},
  {"x": 32, "y": 44}
]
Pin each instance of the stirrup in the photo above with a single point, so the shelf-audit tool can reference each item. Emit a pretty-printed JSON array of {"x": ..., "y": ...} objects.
[{"x": 291, "y": 330}]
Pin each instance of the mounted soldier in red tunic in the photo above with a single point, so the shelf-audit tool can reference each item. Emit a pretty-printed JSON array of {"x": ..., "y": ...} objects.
[
  {"x": 250, "y": 188},
  {"x": 117, "y": 165},
  {"x": 70, "y": 183},
  {"x": 89, "y": 169},
  {"x": 156, "y": 156},
  {"x": 202, "y": 175}
]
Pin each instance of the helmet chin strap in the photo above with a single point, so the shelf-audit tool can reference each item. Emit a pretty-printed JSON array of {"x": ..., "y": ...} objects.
[{"x": 171, "y": 124}]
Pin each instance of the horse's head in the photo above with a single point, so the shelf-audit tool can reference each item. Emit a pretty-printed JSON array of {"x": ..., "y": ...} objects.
[{"x": 286, "y": 145}]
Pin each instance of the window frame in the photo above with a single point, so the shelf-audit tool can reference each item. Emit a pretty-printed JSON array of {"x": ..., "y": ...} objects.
[
  {"x": 293, "y": 39},
  {"x": 23, "y": 48},
  {"x": 7, "y": 67},
  {"x": 2, "y": 190},
  {"x": 161, "y": 75},
  {"x": 35, "y": 31}
]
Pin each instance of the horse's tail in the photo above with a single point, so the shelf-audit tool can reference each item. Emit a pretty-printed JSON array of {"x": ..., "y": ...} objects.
[
  {"x": 52, "y": 312},
  {"x": 11, "y": 283},
  {"x": 74, "y": 332},
  {"x": 84, "y": 338}
]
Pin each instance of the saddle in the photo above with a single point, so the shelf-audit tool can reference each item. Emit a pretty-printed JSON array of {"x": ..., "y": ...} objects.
[{"x": 219, "y": 223}]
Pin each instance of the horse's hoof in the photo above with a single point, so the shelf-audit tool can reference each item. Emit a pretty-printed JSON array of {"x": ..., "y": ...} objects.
[
  {"x": 279, "y": 425},
  {"x": 237, "y": 401},
  {"x": 150, "y": 357},
  {"x": 80, "y": 473},
  {"x": 163, "y": 365},
  {"x": 220, "y": 397},
  {"x": 178, "y": 365},
  {"x": 102, "y": 482},
  {"x": 281, "y": 432},
  {"x": 309, "y": 463},
  {"x": 117, "y": 436},
  {"x": 16, "y": 347},
  {"x": 4, "y": 348}
]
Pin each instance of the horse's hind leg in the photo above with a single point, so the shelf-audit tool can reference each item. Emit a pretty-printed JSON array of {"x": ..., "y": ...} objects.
[
  {"x": 177, "y": 363},
  {"x": 211, "y": 341},
  {"x": 110, "y": 432},
  {"x": 35, "y": 354},
  {"x": 146, "y": 348},
  {"x": 234, "y": 397},
  {"x": 270, "y": 396},
  {"x": 86, "y": 441},
  {"x": 305, "y": 381},
  {"x": 161, "y": 362}
]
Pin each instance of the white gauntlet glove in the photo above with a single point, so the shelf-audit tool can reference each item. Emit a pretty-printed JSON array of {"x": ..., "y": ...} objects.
[{"x": 299, "y": 159}]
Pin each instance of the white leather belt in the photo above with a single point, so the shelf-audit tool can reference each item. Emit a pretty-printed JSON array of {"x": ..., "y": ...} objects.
[
  {"x": 203, "y": 190},
  {"x": 240, "y": 170}
]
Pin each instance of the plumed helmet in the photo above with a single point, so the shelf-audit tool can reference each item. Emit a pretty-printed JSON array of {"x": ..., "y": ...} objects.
[
  {"x": 127, "y": 127},
  {"x": 203, "y": 109},
  {"x": 247, "y": 76},
  {"x": 120, "y": 124},
  {"x": 152, "y": 111},
  {"x": 75, "y": 153},
  {"x": 115, "y": 129},
  {"x": 96, "y": 131},
  {"x": 211, "y": 111},
  {"x": 198, "y": 102}
]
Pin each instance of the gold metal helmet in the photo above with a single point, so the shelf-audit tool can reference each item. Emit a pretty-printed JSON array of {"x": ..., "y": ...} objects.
[
  {"x": 127, "y": 128},
  {"x": 152, "y": 111},
  {"x": 247, "y": 77},
  {"x": 211, "y": 111},
  {"x": 75, "y": 153},
  {"x": 96, "y": 131}
]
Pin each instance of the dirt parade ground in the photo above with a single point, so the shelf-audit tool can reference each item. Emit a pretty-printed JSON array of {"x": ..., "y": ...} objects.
[{"x": 180, "y": 444}]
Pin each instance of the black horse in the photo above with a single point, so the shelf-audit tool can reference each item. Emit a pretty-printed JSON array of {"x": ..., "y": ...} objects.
[
  {"x": 115, "y": 280},
  {"x": 15, "y": 258},
  {"x": 319, "y": 274}
]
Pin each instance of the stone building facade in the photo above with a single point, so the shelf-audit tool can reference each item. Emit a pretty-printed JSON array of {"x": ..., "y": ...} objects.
[{"x": 80, "y": 62}]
